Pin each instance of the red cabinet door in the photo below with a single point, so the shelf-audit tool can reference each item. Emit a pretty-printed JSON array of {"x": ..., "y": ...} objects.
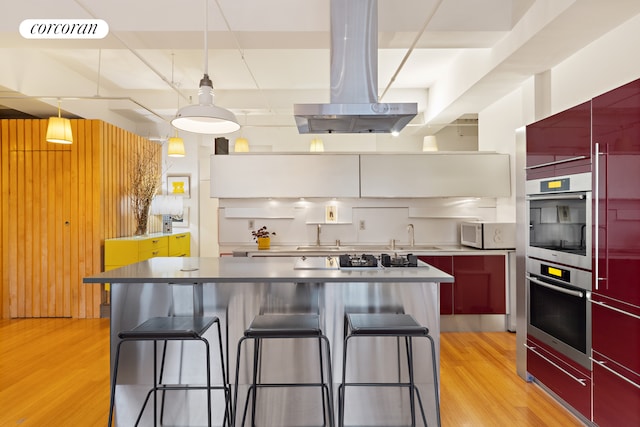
[
  {"x": 562, "y": 142},
  {"x": 480, "y": 284},
  {"x": 444, "y": 263},
  {"x": 616, "y": 331},
  {"x": 616, "y": 394},
  {"x": 616, "y": 134},
  {"x": 568, "y": 380}
]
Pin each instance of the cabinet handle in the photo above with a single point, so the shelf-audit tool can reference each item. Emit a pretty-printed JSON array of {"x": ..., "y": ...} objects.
[
  {"x": 154, "y": 253},
  {"x": 603, "y": 365},
  {"x": 573, "y": 377},
  {"x": 557, "y": 162},
  {"x": 181, "y": 236},
  {"x": 605, "y": 305},
  {"x": 596, "y": 215}
]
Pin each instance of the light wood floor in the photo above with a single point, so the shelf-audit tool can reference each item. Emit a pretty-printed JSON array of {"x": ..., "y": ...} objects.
[{"x": 55, "y": 372}]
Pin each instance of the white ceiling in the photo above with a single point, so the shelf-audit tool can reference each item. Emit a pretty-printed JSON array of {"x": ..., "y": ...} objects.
[{"x": 266, "y": 55}]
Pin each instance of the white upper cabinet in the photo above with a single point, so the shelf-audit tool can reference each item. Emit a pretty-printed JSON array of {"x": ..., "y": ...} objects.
[
  {"x": 365, "y": 175},
  {"x": 435, "y": 175},
  {"x": 285, "y": 175}
]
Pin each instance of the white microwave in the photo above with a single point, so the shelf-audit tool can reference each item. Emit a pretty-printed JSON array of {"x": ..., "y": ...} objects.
[{"x": 488, "y": 235}]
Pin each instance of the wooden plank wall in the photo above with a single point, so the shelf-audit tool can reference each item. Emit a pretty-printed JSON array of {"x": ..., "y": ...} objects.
[{"x": 59, "y": 203}]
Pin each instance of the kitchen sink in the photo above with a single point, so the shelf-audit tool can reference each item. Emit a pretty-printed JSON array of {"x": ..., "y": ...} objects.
[
  {"x": 415, "y": 248},
  {"x": 319, "y": 248}
]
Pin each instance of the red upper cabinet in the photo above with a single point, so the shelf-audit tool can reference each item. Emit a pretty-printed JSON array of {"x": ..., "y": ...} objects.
[
  {"x": 560, "y": 144},
  {"x": 616, "y": 174}
]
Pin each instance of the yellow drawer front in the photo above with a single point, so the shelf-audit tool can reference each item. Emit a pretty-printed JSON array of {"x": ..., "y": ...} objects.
[
  {"x": 153, "y": 243},
  {"x": 180, "y": 245},
  {"x": 120, "y": 252},
  {"x": 164, "y": 251}
]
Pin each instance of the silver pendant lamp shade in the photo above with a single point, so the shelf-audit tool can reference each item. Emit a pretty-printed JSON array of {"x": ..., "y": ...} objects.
[{"x": 205, "y": 117}]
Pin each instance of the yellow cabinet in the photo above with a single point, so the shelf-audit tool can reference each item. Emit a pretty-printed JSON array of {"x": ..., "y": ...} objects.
[
  {"x": 128, "y": 250},
  {"x": 180, "y": 244}
]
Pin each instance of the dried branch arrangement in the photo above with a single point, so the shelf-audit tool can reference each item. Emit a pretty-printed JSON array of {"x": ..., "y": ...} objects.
[{"x": 144, "y": 184}]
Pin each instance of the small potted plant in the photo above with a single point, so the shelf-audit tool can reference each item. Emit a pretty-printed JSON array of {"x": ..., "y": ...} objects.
[{"x": 263, "y": 237}]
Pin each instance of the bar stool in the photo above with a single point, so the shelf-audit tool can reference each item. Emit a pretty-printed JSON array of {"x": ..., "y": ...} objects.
[
  {"x": 388, "y": 325},
  {"x": 173, "y": 328},
  {"x": 278, "y": 326}
]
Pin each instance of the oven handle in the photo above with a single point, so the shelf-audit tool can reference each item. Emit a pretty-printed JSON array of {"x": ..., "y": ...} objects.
[
  {"x": 582, "y": 382},
  {"x": 571, "y": 292},
  {"x": 557, "y": 162},
  {"x": 602, "y": 365},
  {"x": 557, "y": 196}
]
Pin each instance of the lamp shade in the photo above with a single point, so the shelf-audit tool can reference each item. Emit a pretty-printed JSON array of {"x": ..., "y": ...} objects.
[
  {"x": 205, "y": 117},
  {"x": 59, "y": 131},
  {"x": 429, "y": 143},
  {"x": 241, "y": 145},
  {"x": 175, "y": 147},
  {"x": 167, "y": 205},
  {"x": 316, "y": 145}
]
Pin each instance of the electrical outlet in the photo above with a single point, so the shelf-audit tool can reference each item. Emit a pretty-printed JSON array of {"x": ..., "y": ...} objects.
[
  {"x": 362, "y": 226},
  {"x": 251, "y": 224}
]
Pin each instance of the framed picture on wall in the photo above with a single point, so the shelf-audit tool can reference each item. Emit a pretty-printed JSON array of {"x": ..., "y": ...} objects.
[
  {"x": 179, "y": 185},
  {"x": 181, "y": 221}
]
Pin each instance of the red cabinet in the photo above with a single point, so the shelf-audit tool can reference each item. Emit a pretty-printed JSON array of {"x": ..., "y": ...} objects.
[
  {"x": 479, "y": 285},
  {"x": 616, "y": 362},
  {"x": 616, "y": 394},
  {"x": 560, "y": 144},
  {"x": 444, "y": 263},
  {"x": 616, "y": 131},
  {"x": 567, "y": 379},
  {"x": 616, "y": 257}
]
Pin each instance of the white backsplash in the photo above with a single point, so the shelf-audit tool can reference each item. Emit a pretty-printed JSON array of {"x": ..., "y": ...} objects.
[{"x": 357, "y": 221}]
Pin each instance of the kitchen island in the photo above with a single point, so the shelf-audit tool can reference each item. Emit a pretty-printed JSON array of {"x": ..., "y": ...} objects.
[{"x": 237, "y": 289}]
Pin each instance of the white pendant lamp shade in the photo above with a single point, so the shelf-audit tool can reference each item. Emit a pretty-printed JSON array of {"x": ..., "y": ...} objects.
[
  {"x": 175, "y": 147},
  {"x": 59, "y": 129},
  {"x": 316, "y": 145},
  {"x": 205, "y": 117},
  {"x": 241, "y": 145}
]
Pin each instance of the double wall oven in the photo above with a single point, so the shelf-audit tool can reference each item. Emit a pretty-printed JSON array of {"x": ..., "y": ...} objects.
[{"x": 559, "y": 264}]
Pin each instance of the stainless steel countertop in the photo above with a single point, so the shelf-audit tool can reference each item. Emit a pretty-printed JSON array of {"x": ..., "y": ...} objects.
[
  {"x": 311, "y": 250},
  {"x": 255, "y": 270}
]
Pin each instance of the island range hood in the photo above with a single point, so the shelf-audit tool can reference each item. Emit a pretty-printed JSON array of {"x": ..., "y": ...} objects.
[{"x": 354, "y": 106}]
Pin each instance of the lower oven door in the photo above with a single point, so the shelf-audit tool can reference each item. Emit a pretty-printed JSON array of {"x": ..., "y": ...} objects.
[{"x": 559, "y": 313}]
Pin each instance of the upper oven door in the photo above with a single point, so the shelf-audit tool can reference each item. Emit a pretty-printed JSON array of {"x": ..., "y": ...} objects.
[{"x": 560, "y": 220}]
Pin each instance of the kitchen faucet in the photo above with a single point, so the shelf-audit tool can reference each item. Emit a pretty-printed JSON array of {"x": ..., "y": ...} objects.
[
  {"x": 412, "y": 238},
  {"x": 318, "y": 228}
]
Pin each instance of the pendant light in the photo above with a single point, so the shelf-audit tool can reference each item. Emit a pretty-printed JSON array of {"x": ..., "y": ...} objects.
[
  {"x": 241, "y": 145},
  {"x": 59, "y": 129},
  {"x": 205, "y": 117},
  {"x": 316, "y": 145},
  {"x": 175, "y": 146},
  {"x": 429, "y": 143}
]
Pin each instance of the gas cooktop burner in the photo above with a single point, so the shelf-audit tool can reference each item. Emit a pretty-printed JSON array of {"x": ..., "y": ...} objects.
[
  {"x": 363, "y": 260},
  {"x": 408, "y": 260}
]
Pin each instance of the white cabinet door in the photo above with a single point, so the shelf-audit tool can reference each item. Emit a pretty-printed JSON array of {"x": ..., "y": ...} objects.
[
  {"x": 435, "y": 175},
  {"x": 285, "y": 175}
]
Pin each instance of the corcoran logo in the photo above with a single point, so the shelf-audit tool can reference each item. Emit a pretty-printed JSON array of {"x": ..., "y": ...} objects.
[{"x": 64, "y": 29}]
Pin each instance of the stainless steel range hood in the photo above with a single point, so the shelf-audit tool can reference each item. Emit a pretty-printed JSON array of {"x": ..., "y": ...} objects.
[{"x": 354, "y": 78}]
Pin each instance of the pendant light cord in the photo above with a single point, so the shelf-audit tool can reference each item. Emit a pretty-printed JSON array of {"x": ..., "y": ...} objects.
[{"x": 206, "y": 43}]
